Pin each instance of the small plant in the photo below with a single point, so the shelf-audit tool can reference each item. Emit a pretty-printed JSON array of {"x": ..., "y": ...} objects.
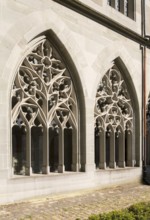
[
  {"x": 114, "y": 215},
  {"x": 119, "y": 215},
  {"x": 140, "y": 211},
  {"x": 94, "y": 217}
]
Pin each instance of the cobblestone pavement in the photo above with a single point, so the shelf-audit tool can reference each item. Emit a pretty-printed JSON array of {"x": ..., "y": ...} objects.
[{"x": 77, "y": 205}]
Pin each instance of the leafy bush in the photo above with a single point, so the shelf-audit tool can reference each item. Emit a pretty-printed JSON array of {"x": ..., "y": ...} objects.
[
  {"x": 94, "y": 217},
  {"x": 114, "y": 215},
  {"x": 119, "y": 215},
  {"x": 140, "y": 211}
]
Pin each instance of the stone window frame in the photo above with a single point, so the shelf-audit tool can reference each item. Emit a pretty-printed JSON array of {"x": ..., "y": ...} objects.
[
  {"x": 79, "y": 156},
  {"x": 126, "y": 7},
  {"x": 134, "y": 158}
]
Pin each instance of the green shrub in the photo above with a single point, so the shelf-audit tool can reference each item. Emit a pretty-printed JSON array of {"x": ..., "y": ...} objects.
[
  {"x": 117, "y": 215},
  {"x": 140, "y": 211},
  {"x": 94, "y": 217},
  {"x": 114, "y": 215}
]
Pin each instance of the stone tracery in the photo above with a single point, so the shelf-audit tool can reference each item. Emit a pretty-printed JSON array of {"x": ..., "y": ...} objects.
[
  {"x": 113, "y": 117},
  {"x": 43, "y": 96}
]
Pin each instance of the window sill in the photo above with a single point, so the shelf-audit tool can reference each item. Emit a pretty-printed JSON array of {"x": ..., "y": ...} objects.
[{"x": 35, "y": 175}]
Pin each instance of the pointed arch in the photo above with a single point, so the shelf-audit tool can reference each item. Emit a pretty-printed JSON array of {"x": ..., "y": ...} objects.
[
  {"x": 47, "y": 84},
  {"x": 136, "y": 152},
  {"x": 117, "y": 105}
]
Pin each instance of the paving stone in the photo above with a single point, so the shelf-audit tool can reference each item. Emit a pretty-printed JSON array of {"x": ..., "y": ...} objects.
[{"x": 71, "y": 206}]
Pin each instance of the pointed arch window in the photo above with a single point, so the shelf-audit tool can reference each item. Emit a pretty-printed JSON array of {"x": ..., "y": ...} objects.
[
  {"x": 44, "y": 114},
  {"x": 113, "y": 122}
]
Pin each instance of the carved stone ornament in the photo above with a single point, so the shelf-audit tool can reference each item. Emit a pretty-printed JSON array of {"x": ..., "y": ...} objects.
[
  {"x": 113, "y": 103},
  {"x": 43, "y": 95}
]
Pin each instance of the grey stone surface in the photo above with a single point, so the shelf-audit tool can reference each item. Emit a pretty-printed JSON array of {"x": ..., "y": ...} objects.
[
  {"x": 92, "y": 48},
  {"x": 75, "y": 205}
]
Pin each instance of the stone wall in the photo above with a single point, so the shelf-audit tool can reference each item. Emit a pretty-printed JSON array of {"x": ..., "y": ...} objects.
[{"x": 92, "y": 48}]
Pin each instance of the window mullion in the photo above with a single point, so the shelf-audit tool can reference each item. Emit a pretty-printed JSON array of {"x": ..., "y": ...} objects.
[
  {"x": 112, "y": 163},
  {"x": 75, "y": 164},
  {"x": 117, "y": 5},
  {"x": 28, "y": 170},
  {"x": 126, "y": 7},
  {"x": 102, "y": 147},
  {"x": 46, "y": 168},
  {"x": 61, "y": 166}
]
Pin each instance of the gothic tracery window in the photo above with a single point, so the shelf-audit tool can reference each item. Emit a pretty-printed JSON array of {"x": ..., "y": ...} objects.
[
  {"x": 113, "y": 122},
  {"x": 44, "y": 114}
]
